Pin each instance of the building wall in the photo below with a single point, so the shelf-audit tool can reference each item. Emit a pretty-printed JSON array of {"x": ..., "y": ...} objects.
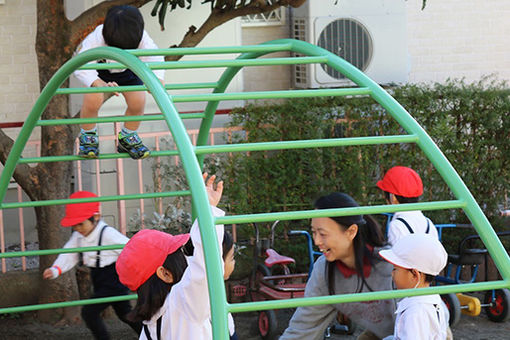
[
  {"x": 266, "y": 78},
  {"x": 458, "y": 38},
  {"x": 18, "y": 62},
  {"x": 448, "y": 39}
]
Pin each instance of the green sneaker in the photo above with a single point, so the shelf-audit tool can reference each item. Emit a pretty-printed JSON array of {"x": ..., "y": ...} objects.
[
  {"x": 132, "y": 144},
  {"x": 89, "y": 145}
]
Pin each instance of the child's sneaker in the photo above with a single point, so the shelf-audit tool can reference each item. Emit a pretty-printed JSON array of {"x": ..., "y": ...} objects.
[
  {"x": 132, "y": 144},
  {"x": 89, "y": 145}
]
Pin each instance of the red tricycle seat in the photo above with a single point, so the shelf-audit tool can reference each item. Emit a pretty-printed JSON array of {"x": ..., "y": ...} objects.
[{"x": 274, "y": 258}]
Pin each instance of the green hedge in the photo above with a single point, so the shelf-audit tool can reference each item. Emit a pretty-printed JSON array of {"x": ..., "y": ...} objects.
[{"x": 469, "y": 122}]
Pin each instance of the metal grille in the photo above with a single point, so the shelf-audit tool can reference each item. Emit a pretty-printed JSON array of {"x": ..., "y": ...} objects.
[
  {"x": 348, "y": 39},
  {"x": 276, "y": 17},
  {"x": 299, "y": 33}
]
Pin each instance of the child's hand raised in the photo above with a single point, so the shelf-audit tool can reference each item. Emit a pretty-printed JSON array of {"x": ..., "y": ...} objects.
[{"x": 214, "y": 195}]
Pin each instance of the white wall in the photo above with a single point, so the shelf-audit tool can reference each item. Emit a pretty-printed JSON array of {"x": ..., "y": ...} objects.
[
  {"x": 18, "y": 62},
  {"x": 458, "y": 38},
  {"x": 266, "y": 78}
]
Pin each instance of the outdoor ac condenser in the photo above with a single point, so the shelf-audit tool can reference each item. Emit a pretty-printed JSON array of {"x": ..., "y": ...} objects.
[{"x": 370, "y": 34}]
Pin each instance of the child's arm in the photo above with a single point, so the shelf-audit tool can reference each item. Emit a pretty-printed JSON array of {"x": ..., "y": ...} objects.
[
  {"x": 192, "y": 290},
  {"x": 94, "y": 39},
  {"x": 148, "y": 44},
  {"x": 64, "y": 262}
]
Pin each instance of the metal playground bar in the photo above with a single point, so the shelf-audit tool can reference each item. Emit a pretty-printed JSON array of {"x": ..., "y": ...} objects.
[{"x": 192, "y": 159}]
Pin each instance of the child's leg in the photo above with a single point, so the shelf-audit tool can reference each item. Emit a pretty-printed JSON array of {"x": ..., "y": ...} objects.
[
  {"x": 91, "y": 104},
  {"x": 89, "y": 141},
  {"x": 91, "y": 314},
  {"x": 135, "y": 105},
  {"x": 122, "y": 308},
  {"x": 129, "y": 141}
]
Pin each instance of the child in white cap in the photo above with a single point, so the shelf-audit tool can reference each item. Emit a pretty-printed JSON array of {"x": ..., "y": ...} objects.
[{"x": 417, "y": 259}]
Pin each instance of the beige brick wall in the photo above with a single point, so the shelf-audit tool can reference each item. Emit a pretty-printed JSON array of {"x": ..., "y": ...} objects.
[
  {"x": 266, "y": 78},
  {"x": 458, "y": 38},
  {"x": 18, "y": 62},
  {"x": 455, "y": 38}
]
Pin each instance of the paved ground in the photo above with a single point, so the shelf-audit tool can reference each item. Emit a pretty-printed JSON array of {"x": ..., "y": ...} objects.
[{"x": 25, "y": 327}]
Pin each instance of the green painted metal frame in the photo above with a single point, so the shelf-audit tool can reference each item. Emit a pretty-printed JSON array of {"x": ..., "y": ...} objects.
[
  {"x": 192, "y": 158},
  {"x": 184, "y": 146}
]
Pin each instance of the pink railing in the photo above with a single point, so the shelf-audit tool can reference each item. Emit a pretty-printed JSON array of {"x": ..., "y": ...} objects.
[{"x": 121, "y": 208}]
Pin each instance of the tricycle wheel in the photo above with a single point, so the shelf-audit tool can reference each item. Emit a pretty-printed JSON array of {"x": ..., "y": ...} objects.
[
  {"x": 256, "y": 277},
  {"x": 499, "y": 304},
  {"x": 268, "y": 324},
  {"x": 453, "y": 305}
]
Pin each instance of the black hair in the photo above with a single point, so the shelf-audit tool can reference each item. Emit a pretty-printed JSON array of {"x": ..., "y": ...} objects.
[
  {"x": 227, "y": 244},
  {"x": 429, "y": 278},
  {"x": 153, "y": 292},
  {"x": 369, "y": 234},
  {"x": 188, "y": 248},
  {"x": 123, "y": 27},
  {"x": 402, "y": 199}
]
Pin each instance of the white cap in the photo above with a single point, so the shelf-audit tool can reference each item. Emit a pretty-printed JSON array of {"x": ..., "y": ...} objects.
[{"x": 422, "y": 252}]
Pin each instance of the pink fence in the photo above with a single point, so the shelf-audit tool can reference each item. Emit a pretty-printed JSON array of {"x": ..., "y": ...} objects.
[{"x": 121, "y": 174}]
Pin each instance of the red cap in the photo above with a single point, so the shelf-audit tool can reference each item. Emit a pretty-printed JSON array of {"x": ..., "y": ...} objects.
[
  {"x": 144, "y": 253},
  {"x": 402, "y": 181},
  {"x": 79, "y": 212}
]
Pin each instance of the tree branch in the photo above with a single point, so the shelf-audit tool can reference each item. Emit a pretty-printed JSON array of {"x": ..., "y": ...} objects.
[
  {"x": 219, "y": 16},
  {"x": 23, "y": 173}
]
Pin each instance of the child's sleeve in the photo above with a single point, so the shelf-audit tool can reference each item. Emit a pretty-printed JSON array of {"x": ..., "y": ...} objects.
[
  {"x": 148, "y": 44},
  {"x": 67, "y": 261},
  {"x": 193, "y": 289},
  {"x": 94, "y": 39}
]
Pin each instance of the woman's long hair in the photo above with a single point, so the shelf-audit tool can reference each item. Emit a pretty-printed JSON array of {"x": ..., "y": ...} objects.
[
  {"x": 369, "y": 234},
  {"x": 153, "y": 292}
]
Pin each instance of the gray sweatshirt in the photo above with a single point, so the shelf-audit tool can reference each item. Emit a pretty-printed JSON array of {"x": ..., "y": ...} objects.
[{"x": 377, "y": 316}]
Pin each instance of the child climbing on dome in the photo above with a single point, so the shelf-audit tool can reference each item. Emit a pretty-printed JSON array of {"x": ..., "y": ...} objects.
[
  {"x": 123, "y": 28},
  {"x": 173, "y": 296}
]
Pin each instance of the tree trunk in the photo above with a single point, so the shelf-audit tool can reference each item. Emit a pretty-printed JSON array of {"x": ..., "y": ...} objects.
[{"x": 53, "y": 48}]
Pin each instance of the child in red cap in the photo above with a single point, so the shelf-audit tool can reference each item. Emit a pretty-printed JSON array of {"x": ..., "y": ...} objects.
[
  {"x": 417, "y": 259},
  {"x": 173, "y": 297},
  {"x": 403, "y": 185},
  {"x": 90, "y": 230}
]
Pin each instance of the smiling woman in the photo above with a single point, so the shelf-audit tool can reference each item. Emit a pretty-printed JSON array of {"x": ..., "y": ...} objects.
[{"x": 350, "y": 264}]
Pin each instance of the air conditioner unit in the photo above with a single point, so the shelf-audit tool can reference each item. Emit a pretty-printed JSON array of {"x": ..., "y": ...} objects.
[{"x": 370, "y": 34}]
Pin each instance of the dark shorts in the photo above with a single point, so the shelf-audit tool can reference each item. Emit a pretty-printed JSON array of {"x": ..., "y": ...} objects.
[{"x": 124, "y": 78}]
